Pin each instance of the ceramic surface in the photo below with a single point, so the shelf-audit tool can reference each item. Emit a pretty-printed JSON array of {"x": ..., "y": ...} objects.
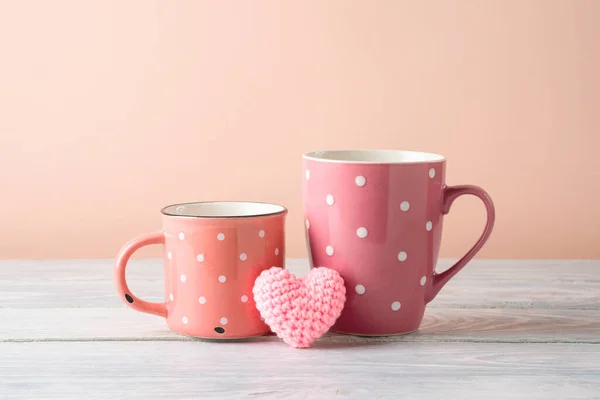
[
  {"x": 213, "y": 252},
  {"x": 376, "y": 217}
]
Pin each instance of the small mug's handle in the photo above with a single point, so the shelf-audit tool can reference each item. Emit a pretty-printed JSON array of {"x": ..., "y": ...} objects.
[
  {"x": 125, "y": 294},
  {"x": 450, "y": 194}
]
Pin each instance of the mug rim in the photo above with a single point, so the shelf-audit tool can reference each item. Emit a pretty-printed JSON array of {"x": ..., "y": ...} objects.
[
  {"x": 280, "y": 210},
  {"x": 386, "y": 156}
]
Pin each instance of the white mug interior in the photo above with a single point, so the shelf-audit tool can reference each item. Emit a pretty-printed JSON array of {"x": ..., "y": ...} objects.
[
  {"x": 222, "y": 209},
  {"x": 374, "y": 156}
]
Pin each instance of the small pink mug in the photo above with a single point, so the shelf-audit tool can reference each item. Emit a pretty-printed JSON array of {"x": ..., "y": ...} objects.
[
  {"x": 375, "y": 216},
  {"x": 213, "y": 253}
]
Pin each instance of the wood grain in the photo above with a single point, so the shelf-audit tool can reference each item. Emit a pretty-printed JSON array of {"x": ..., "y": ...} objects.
[
  {"x": 500, "y": 329},
  {"x": 442, "y": 325},
  {"x": 266, "y": 370},
  {"x": 482, "y": 284}
]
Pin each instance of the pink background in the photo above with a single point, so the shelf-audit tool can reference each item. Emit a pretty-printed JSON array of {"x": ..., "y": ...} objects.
[{"x": 111, "y": 110}]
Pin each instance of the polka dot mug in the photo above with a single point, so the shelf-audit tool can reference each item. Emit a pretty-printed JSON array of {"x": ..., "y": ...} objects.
[
  {"x": 213, "y": 253},
  {"x": 375, "y": 216}
]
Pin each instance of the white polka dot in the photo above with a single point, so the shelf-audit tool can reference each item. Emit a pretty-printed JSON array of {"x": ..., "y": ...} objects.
[
  {"x": 404, "y": 206},
  {"x": 221, "y": 236},
  {"x": 261, "y": 233},
  {"x": 396, "y": 305},
  {"x": 202, "y": 300},
  {"x": 184, "y": 320},
  {"x": 431, "y": 173},
  {"x": 423, "y": 280},
  {"x": 360, "y": 180},
  {"x": 169, "y": 255},
  {"x": 362, "y": 232},
  {"x": 428, "y": 226},
  {"x": 222, "y": 278},
  {"x": 223, "y": 321},
  {"x": 181, "y": 236},
  {"x": 329, "y": 250},
  {"x": 360, "y": 289},
  {"x": 402, "y": 256},
  {"x": 329, "y": 199},
  {"x": 171, "y": 297},
  {"x": 276, "y": 252},
  {"x": 243, "y": 256},
  {"x": 307, "y": 174},
  {"x": 183, "y": 278},
  {"x": 200, "y": 257},
  {"x": 244, "y": 298},
  {"x": 307, "y": 224}
]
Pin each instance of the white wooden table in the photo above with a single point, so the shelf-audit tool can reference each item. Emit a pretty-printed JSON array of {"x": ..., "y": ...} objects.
[{"x": 500, "y": 329}]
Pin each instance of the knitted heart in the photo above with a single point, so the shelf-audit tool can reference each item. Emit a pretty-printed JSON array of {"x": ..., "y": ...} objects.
[{"x": 299, "y": 311}]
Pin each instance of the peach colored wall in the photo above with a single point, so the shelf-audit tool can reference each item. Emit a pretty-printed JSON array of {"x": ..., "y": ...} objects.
[{"x": 110, "y": 110}]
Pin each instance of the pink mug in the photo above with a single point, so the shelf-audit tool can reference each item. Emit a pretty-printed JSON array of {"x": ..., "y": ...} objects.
[
  {"x": 213, "y": 253},
  {"x": 375, "y": 216}
]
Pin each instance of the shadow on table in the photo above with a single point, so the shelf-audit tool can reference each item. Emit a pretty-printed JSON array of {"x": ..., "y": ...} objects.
[
  {"x": 328, "y": 341},
  {"x": 510, "y": 325}
]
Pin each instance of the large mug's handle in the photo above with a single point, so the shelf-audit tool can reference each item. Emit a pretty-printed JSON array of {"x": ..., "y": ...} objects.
[
  {"x": 450, "y": 194},
  {"x": 125, "y": 294}
]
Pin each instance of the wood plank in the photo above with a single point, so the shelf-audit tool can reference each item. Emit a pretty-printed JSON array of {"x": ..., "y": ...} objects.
[
  {"x": 484, "y": 284},
  {"x": 92, "y": 269},
  {"x": 265, "y": 370},
  {"x": 439, "y": 325}
]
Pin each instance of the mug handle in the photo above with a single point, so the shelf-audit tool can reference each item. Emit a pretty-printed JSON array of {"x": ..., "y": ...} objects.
[
  {"x": 125, "y": 294},
  {"x": 450, "y": 194}
]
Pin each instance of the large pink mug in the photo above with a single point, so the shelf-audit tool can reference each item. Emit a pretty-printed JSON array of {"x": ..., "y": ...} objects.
[
  {"x": 375, "y": 216},
  {"x": 213, "y": 253}
]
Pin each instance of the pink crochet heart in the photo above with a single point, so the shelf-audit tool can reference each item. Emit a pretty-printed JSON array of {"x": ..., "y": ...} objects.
[{"x": 299, "y": 311}]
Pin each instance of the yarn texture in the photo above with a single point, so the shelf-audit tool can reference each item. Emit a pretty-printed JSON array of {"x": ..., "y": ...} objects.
[{"x": 299, "y": 311}]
